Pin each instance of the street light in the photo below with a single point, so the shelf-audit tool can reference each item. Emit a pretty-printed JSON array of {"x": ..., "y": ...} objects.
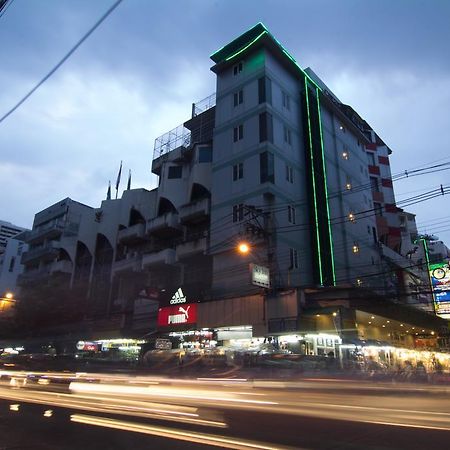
[
  {"x": 9, "y": 295},
  {"x": 243, "y": 248}
]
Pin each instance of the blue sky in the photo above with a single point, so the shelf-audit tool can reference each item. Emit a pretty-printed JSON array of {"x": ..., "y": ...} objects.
[{"x": 137, "y": 75}]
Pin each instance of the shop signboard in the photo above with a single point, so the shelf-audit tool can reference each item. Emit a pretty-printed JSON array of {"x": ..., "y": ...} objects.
[
  {"x": 440, "y": 280},
  {"x": 260, "y": 275},
  {"x": 163, "y": 344},
  {"x": 176, "y": 315}
]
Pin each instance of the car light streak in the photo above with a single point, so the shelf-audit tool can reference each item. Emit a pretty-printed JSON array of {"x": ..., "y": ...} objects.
[{"x": 170, "y": 433}]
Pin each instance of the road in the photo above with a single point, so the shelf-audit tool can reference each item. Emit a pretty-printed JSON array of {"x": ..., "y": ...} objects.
[{"x": 60, "y": 410}]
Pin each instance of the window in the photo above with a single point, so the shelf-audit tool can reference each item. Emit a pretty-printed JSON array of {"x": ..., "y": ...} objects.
[
  {"x": 238, "y": 171},
  {"x": 175, "y": 172},
  {"x": 371, "y": 158},
  {"x": 12, "y": 262},
  {"x": 287, "y": 135},
  {"x": 351, "y": 217},
  {"x": 374, "y": 234},
  {"x": 265, "y": 127},
  {"x": 355, "y": 248},
  {"x": 238, "y": 68},
  {"x": 293, "y": 258},
  {"x": 238, "y": 133},
  {"x": 238, "y": 213},
  {"x": 286, "y": 101},
  {"x": 289, "y": 174},
  {"x": 238, "y": 97},
  {"x": 374, "y": 184},
  {"x": 204, "y": 154},
  {"x": 266, "y": 168},
  {"x": 291, "y": 214},
  {"x": 378, "y": 209},
  {"x": 264, "y": 90}
]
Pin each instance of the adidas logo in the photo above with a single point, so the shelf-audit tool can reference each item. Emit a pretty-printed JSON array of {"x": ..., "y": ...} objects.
[{"x": 178, "y": 297}]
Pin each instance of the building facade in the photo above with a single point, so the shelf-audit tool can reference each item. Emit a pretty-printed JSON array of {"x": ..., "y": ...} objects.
[{"x": 276, "y": 161}]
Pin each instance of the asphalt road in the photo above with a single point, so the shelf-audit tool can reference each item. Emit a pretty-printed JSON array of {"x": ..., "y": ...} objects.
[{"x": 98, "y": 411}]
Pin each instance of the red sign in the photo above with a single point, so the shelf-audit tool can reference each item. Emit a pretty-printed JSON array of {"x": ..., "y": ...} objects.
[{"x": 177, "y": 315}]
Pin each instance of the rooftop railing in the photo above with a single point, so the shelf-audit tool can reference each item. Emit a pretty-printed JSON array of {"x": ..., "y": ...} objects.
[{"x": 178, "y": 137}]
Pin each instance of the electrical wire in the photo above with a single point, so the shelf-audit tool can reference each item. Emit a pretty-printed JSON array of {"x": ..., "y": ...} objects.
[{"x": 62, "y": 61}]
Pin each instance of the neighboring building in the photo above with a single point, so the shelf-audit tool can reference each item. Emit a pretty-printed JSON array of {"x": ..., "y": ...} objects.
[
  {"x": 7, "y": 231},
  {"x": 274, "y": 159},
  {"x": 10, "y": 253}
]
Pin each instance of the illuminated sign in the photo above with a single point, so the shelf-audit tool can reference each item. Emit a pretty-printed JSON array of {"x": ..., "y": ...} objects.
[
  {"x": 163, "y": 344},
  {"x": 440, "y": 280},
  {"x": 260, "y": 276},
  {"x": 178, "y": 297},
  {"x": 177, "y": 315}
]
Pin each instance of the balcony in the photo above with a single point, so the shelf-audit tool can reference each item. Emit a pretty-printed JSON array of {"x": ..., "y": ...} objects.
[
  {"x": 195, "y": 212},
  {"x": 132, "y": 235},
  {"x": 164, "y": 257},
  {"x": 188, "y": 249},
  {"x": 52, "y": 231},
  {"x": 132, "y": 263},
  {"x": 64, "y": 266},
  {"x": 164, "y": 226},
  {"x": 46, "y": 252},
  {"x": 32, "y": 277}
]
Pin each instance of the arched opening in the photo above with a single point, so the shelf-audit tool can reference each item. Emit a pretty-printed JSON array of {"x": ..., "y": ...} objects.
[
  {"x": 199, "y": 192},
  {"x": 103, "y": 259},
  {"x": 165, "y": 206},
  {"x": 135, "y": 217}
]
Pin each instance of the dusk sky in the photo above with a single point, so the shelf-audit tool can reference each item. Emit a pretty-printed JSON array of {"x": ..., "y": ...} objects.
[{"x": 136, "y": 77}]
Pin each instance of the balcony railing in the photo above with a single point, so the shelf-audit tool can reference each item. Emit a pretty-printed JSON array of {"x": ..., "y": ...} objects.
[
  {"x": 191, "y": 248},
  {"x": 203, "y": 105},
  {"x": 132, "y": 263},
  {"x": 131, "y": 234},
  {"x": 63, "y": 266},
  {"x": 47, "y": 251},
  {"x": 178, "y": 137},
  {"x": 164, "y": 257},
  {"x": 166, "y": 225},
  {"x": 195, "y": 211}
]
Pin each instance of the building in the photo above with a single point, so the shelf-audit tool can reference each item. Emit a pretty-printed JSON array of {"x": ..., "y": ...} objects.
[{"x": 274, "y": 160}]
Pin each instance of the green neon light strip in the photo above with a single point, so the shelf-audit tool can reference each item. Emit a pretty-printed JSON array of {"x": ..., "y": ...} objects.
[
  {"x": 283, "y": 49},
  {"x": 427, "y": 259},
  {"x": 247, "y": 46},
  {"x": 330, "y": 236},
  {"x": 314, "y": 184}
]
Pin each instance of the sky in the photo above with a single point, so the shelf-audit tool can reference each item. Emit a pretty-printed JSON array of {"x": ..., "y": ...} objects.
[{"x": 137, "y": 75}]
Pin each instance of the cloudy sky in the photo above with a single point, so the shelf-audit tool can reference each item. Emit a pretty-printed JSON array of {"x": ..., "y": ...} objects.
[{"x": 137, "y": 75}]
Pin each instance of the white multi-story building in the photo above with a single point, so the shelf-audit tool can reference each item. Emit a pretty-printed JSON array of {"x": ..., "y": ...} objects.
[{"x": 272, "y": 159}]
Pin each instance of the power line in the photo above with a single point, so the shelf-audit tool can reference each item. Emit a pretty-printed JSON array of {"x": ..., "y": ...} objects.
[{"x": 63, "y": 60}]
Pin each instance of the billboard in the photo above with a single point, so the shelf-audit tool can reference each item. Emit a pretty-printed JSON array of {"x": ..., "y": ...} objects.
[
  {"x": 174, "y": 316},
  {"x": 440, "y": 281},
  {"x": 260, "y": 276}
]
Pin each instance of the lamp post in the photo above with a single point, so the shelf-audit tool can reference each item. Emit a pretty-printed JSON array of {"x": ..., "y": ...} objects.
[{"x": 7, "y": 302}]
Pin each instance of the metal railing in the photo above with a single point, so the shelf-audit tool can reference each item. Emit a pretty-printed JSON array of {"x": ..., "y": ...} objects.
[
  {"x": 203, "y": 105},
  {"x": 178, "y": 137}
]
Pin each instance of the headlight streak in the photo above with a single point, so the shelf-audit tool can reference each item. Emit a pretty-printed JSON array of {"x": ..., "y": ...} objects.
[{"x": 170, "y": 433}]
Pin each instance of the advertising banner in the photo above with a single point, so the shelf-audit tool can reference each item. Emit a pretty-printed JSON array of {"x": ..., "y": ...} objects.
[
  {"x": 440, "y": 280},
  {"x": 173, "y": 316}
]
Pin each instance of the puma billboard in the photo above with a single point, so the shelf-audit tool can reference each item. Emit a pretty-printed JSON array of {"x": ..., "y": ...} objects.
[{"x": 176, "y": 315}]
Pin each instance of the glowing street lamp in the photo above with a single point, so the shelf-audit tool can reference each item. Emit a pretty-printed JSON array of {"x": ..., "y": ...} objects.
[
  {"x": 9, "y": 295},
  {"x": 243, "y": 248}
]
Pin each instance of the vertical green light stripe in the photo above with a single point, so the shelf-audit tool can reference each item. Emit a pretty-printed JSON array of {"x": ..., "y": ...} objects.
[
  {"x": 427, "y": 259},
  {"x": 314, "y": 183},
  {"x": 330, "y": 236}
]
